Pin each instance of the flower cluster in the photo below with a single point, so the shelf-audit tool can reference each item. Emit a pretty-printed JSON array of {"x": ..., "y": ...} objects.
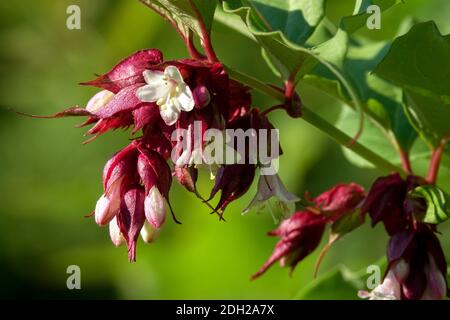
[
  {"x": 417, "y": 268},
  {"x": 175, "y": 104},
  {"x": 160, "y": 97},
  {"x": 301, "y": 233}
]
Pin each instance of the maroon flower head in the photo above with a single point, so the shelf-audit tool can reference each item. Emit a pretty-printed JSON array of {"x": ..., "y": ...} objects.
[
  {"x": 341, "y": 199},
  {"x": 300, "y": 235},
  {"x": 386, "y": 201},
  {"x": 425, "y": 272},
  {"x": 128, "y": 71},
  {"x": 136, "y": 188},
  {"x": 417, "y": 268},
  {"x": 233, "y": 181}
]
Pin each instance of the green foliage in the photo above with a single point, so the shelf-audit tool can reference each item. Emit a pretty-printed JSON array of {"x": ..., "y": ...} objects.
[
  {"x": 418, "y": 63},
  {"x": 412, "y": 78},
  {"x": 186, "y": 14},
  {"x": 352, "y": 65},
  {"x": 437, "y": 201},
  {"x": 339, "y": 283},
  {"x": 272, "y": 25}
]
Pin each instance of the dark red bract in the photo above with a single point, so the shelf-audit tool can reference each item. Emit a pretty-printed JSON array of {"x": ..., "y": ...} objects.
[
  {"x": 299, "y": 236},
  {"x": 386, "y": 201}
]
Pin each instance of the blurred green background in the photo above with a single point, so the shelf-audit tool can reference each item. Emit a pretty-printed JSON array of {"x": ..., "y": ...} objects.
[{"x": 49, "y": 180}]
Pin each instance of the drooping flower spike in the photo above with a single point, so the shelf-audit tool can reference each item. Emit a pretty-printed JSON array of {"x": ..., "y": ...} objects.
[
  {"x": 156, "y": 97},
  {"x": 301, "y": 233},
  {"x": 417, "y": 267},
  {"x": 136, "y": 188}
]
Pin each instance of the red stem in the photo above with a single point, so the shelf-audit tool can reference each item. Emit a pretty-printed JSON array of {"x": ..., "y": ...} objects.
[
  {"x": 276, "y": 107},
  {"x": 205, "y": 36},
  {"x": 435, "y": 161},
  {"x": 288, "y": 92},
  {"x": 193, "y": 52},
  {"x": 406, "y": 163}
]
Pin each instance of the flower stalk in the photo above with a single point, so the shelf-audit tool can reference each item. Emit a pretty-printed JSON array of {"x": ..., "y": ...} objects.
[
  {"x": 435, "y": 161},
  {"x": 314, "y": 119}
]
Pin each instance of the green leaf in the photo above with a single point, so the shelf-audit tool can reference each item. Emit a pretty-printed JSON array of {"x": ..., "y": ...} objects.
[
  {"x": 358, "y": 20},
  {"x": 382, "y": 101},
  {"x": 339, "y": 283},
  {"x": 186, "y": 14},
  {"x": 335, "y": 49},
  {"x": 438, "y": 203},
  {"x": 373, "y": 137},
  {"x": 419, "y": 59},
  {"x": 418, "y": 63},
  {"x": 281, "y": 27},
  {"x": 293, "y": 20},
  {"x": 428, "y": 114}
]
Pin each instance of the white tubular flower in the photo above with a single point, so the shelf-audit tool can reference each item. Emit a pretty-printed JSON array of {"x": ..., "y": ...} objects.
[
  {"x": 271, "y": 186},
  {"x": 388, "y": 290},
  {"x": 155, "y": 208},
  {"x": 149, "y": 233},
  {"x": 108, "y": 205},
  {"x": 436, "y": 285},
  {"x": 114, "y": 233},
  {"x": 99, "y": 100},
  {"x": 169, "y": 91}
]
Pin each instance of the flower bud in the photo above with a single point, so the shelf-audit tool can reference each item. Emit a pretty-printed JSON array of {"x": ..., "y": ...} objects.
[
  {"x": 103, "y": 212},
  {"x": 149, "y": 233},
  {"x": 201, "y": 96},
  {"x": 300, "y": 235},
  {"x": 99, "y": 100},
  {"x": 114, "y": 233},
  {"x": 155, "y": 208},
  {"x": 341, "y": 199}
]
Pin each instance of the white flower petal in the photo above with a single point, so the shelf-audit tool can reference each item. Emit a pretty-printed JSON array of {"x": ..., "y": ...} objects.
[
  {"x": 148, "y": 233},
  {"x": 114, "y": 233},
  {"x": 173, "y": 73},
  {"x": 103, "y": 211},
  {"x": 266, "y": 187},
  {"x": 185, "y": 98},
  {"x": 281, "y": 192},
  {"x": 153, "y": 92},
  {"x": 153, "y": 77},
  {"x": 155, "y": 208},
  {"x": 271, "y": 186},
  {"x": 388, "y": 290},
  {"x": 169, "y": 113}
]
